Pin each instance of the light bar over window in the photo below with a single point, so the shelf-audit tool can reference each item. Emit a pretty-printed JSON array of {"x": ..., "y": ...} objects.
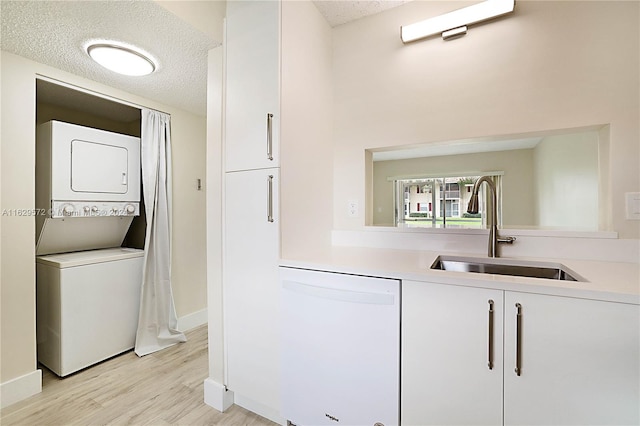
[{"x": 458, "y": 18}]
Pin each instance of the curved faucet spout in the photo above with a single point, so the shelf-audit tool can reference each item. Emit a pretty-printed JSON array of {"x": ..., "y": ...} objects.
[{"x": 492, "y": 220}]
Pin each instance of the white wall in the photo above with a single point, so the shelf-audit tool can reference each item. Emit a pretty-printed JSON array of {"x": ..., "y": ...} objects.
[
  {"x": 566, "y": 181},
  {"x": 188, "y": 253},
  {"x": 214, "y": 215},
  {"x": 306, "y": 147},
  {"x": 17, "y": 280},
  {"x": 205, "y": 16},
  {"x": 18, "y": 75},
  {"x": 549, "y": 65}
]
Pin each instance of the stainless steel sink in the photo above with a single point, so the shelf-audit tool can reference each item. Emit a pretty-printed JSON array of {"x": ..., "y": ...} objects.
[{"x": 550, "y": 271}]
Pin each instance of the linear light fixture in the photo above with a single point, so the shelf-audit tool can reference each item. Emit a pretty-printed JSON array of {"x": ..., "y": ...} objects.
[
  {"x": 122, "y": 59},
  {"x": 455, "y": 20}
]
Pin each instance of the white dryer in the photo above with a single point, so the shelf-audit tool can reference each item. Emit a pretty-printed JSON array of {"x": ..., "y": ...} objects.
[
  {"x": 87, "y": 187},
  {"x": 87, "y": 306}
]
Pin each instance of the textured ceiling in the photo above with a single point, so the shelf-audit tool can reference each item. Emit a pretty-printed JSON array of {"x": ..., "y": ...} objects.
[
  {"x": 338, "y": 12},
  {"x": 54, "y": 33}
]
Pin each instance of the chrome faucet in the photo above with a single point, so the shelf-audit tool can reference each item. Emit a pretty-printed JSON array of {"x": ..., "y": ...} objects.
[{"x": 473, "y": 207}]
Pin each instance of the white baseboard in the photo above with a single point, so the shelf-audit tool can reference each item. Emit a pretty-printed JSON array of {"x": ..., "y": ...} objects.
[
  {"x": 217, "y": 395},
  {"x": 193, "y": 320},
  {"x": 20, "y": 388}
]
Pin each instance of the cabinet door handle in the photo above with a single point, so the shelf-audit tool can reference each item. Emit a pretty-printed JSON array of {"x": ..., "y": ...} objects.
[
  {"x": 270, "y": 198},
  {"x": 518, "y": 369},
  {"x": 269, "y": 137},
  {"x": 490, "y": 342}
]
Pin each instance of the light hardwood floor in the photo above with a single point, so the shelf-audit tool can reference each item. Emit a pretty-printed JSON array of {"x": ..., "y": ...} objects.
[{"x": 164, "y": 388}]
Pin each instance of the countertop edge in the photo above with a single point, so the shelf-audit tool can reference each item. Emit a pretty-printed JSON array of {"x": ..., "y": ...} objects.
[{"x": 415, "y": 266}]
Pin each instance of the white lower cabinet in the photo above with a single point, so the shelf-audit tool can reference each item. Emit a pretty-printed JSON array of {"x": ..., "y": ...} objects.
[
  {"x": 446, "y": 378},
  {"x": 251, "y": 289},
  {"x": 579, "y": 363},
  {"x": 577, "y": 360}
]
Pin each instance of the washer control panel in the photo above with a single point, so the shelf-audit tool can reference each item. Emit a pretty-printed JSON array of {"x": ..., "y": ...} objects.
[{"x": 62, "y": 209}]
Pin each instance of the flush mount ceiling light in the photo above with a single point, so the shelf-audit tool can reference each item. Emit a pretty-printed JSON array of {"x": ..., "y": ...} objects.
[
  {"x": 121, "y": 59},
  {"x": 455, "y": 23}
]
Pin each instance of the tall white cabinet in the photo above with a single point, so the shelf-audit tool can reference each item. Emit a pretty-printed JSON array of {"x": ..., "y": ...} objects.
[{"x": 251, "y": 249}]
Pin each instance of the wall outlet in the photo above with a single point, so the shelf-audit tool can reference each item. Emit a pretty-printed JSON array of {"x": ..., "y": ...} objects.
[
  {"x": 352, "y": 208},
  {"x": 632, "y": 201}
]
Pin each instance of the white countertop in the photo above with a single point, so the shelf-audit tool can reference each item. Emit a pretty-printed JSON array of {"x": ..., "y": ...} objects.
[{"x": 607, "y": 281}]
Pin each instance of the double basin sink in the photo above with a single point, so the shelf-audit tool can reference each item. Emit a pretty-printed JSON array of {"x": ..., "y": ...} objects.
[{"x": 517, "y": 268}]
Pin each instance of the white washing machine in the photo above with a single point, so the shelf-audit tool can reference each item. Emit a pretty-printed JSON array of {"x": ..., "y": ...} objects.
[{"x": 87, "y": 306}]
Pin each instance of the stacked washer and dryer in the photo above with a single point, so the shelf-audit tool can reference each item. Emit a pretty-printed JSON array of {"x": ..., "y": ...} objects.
[{"x": 87, "y": 285}]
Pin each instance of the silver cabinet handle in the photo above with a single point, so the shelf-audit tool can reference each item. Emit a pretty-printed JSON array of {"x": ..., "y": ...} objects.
[
  {"x": 270, "y": 198},
  {"x": 269, "y": 137},
  {"x": 490, "y": 342},
  {"x": 518, "y": 369}
]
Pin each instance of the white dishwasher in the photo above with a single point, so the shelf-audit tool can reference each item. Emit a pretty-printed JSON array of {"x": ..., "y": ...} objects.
[{"x": 340, "y": 349}]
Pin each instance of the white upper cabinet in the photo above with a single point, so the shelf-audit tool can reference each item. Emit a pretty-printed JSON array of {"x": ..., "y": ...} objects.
[{"x": 252, "y": 85}]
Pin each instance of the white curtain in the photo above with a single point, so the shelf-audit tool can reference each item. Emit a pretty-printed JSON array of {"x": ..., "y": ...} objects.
[{"x": 157, "y": 322}]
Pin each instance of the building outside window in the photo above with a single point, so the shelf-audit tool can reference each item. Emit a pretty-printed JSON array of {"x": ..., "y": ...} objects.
[{"x": 441, "y": 202}]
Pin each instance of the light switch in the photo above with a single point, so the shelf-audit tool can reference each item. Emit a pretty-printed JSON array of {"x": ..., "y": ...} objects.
[{"x": 632, "y": 201}]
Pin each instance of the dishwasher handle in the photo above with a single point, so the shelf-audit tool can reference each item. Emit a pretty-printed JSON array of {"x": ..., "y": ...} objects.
[{"x": 361, "y": 297}]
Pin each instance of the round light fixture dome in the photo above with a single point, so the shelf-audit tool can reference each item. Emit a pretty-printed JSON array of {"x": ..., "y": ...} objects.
[{"x": 121, "y": 59}]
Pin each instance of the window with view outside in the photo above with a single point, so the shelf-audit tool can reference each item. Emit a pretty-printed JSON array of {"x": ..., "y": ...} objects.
[{"x": 441, "y": 202}]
